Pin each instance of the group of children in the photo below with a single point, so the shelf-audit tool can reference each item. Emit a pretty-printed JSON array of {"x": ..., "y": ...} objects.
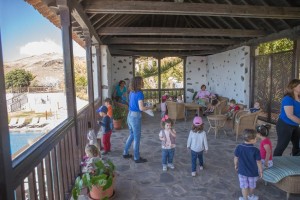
[{"x": 249, "y": 161}]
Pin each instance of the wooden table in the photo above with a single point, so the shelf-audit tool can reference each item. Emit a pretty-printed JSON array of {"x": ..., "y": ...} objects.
[
  {"x": 216, "y": 122},
  {"x": 192, "y": 106}
]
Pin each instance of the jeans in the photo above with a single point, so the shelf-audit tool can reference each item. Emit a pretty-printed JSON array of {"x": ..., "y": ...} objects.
[
  {"x": 167, "y": 156},
  {"x": 134, "y": 120},
  {"x": 285, "y": 134},
  {"x": 196, "y": 155}
]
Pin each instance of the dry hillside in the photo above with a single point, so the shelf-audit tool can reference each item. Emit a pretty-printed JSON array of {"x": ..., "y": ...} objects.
[{"x": 47, "y": 68}]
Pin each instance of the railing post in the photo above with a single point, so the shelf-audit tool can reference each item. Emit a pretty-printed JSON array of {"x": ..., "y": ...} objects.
[{"x": 6, "y": 176}]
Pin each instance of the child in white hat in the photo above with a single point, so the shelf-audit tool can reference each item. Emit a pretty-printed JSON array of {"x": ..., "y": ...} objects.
[{"x": 197, "y": 143}]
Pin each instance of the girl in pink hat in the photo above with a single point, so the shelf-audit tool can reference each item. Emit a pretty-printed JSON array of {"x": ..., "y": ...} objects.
[{"x": 197, "y": 143}]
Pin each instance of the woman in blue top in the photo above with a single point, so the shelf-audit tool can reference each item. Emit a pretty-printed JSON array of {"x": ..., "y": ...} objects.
[
  {"x": 120, "y": 92},
  {"x": 289, "y": 119},
  {"x": 134, "y": 119}
]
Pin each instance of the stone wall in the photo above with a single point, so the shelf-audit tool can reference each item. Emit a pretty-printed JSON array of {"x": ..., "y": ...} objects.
[{"x": 122, "y": 68}]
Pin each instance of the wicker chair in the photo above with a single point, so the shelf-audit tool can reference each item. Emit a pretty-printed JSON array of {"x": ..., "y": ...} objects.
[
  {"x": 220, "y": 106},
  {"x": 244, "y": 120},
  {"x": 175, "y": 110}
]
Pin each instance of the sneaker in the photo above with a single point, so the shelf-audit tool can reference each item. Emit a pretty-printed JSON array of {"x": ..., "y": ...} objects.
[
  {"x": 141, "y": 160},
  {"x": 201, "y": 167},
  {"x": 165, "y": 168},
  {"x": 193, "y": 174},
  {"x": 127, "y": 156},
  {"x": 252, "y": 197},
  {"x": 241, "y": 198},
  {"x": 171, "y": 166}
]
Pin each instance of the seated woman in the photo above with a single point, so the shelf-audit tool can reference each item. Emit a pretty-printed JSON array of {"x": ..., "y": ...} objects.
[
  {"x": 203, "y": 96},
  {"x": 120, "y": 93}
]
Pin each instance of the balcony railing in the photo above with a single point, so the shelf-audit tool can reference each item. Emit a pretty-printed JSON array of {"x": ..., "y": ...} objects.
[{"x": 152, "y": 96}]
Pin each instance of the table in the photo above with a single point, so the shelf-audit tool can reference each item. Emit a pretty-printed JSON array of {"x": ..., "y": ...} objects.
[
  {"x": 216, "y": 122},
  {"x": 192, "y": 106}
]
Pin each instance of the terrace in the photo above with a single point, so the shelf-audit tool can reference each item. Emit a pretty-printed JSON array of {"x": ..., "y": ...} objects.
[{"x": 216, "y": 39}]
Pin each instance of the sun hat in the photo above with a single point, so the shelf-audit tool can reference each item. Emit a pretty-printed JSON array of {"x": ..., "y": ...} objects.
[
  {"x": 164, "y": 97},
  {"x": 102, "y": 109},
  {"x": 197, "y": 121}
]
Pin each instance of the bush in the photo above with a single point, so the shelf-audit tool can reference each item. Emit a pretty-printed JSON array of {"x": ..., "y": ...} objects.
[{"x": 18, "y": 78}]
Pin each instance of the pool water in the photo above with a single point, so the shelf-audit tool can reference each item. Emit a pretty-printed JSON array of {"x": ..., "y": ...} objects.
[{"x": 19, "y": 140}]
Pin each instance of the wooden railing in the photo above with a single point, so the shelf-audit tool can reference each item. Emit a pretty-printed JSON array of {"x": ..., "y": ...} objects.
[
  {"x": 152, "y": 95},
  {"x": 47, "y": 169}
]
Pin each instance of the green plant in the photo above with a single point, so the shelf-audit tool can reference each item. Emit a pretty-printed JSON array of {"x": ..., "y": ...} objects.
[
  {"x": 119, "y": 111},
  {"x": 102, "y": 176}
]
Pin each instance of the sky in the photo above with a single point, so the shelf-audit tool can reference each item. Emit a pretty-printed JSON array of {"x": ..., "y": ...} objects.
[{"x": 25, "y": 32}]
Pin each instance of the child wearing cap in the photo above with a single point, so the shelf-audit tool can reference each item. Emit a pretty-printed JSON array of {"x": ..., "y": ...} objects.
[
  {"x": 197, "y": 143},
  {"x": 106, "y": 130},
  {"x": 167, "y": 135}
]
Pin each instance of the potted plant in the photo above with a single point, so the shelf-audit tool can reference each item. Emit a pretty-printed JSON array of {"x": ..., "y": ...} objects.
[
  {"x": 100, "y": 182},
  {"x": 119, "y": 115}
]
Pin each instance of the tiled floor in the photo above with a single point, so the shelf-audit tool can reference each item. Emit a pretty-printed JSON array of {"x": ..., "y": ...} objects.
[{"x": 218, "y": 180}]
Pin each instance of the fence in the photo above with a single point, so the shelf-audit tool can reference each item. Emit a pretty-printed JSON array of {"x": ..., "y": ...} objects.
[
  {"x": 15, "y": 104},
  {"x": 152, "y": 96}
]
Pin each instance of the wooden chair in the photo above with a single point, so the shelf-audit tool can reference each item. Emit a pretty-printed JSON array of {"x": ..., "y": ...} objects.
[
  {"x": 175, "y": 110},
  {"x": 244, "y": 120}
]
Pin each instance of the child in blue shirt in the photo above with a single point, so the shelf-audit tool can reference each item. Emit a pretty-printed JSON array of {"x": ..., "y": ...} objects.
[
  {"x": 106, "y": 129},
  {"x": 247, "y": 162}
]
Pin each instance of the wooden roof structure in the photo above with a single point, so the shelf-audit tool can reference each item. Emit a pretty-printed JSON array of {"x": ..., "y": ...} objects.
[{"x": 178, "y": 27}]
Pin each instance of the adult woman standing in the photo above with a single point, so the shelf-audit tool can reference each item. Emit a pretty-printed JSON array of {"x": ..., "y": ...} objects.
[
  {"x": 287, "y": 126},
  {"x": 134, "y": 119},
  {"x": 120, "y": 92}
]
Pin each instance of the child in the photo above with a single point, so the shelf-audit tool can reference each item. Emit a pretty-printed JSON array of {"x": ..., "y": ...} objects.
[
  {"x": 108, "y": 103},
  {"x": 167, "y": 136},
  {"x": 255, "y": 108},
  {"x": 212, "y": 105},
  {"x": 179, "y": 99},
  {"x": 91, "y": 136},
  {"x": 265, "y": 146},
  {"x": 247, "y": 162},
  {"x": 92, "y": 156},
  {"x": 163, "y": 106},
  {"x": 106, "y": 130},
  {"x": 232, "y": 109},
  {"x": 197, "y": 143}
]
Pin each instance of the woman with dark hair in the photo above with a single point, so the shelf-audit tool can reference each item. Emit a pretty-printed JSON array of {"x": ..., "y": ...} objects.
[
  {"x": 120, "y": 92},
  {"x": 287, "y": 126},
  {"x": 134, "y": 119},
  {"x": 203, "y": 96}
]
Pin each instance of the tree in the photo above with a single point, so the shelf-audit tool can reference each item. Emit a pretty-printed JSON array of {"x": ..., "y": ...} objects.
[
  {"x": 275, "y": 46},
  {"x": 18, "y": 78}
]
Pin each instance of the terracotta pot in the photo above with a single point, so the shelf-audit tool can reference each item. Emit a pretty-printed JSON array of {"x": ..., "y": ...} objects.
[
  {"x": 117, "y": 124},
  {"x": 97, "y": 193}
]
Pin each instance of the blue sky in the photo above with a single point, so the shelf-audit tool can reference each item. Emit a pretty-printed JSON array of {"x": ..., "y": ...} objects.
[{"x": 25, "y": 32}]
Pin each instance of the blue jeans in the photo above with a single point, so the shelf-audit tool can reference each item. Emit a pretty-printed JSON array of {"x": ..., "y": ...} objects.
[
  {"x": 196, "y": 155},
  {"x": 167, "y": 156},
  {"x": 134, "y": 120}
]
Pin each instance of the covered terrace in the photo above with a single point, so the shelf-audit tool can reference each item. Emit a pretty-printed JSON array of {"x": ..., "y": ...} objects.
[{"x": 217, "y": 41}]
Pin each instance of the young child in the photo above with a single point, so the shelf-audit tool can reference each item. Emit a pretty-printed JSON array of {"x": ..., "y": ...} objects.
[
  {"x": 197, "y": 143},
  {"x": 108, "y": 104},
  {"x": 91, "y": 136},
  {"x": 167, "y": 136},
  {"x": 247, "y": 162},
  {"x": 265, "y": 146},
  {"x": 106, "y": 130},
  {"x": 211, "y": 107},
  {"x": 232, "y": 109},
  {"x": 255, "y": 108},
  {"x": 92, "y": 156},
  {"x": 179, "y": 99},
  {"x": 163, "y": 106}
]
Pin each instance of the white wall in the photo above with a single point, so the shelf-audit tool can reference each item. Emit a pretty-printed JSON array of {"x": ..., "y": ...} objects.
[
  {"x": 195, "y": 75},
  {"x": 106, "y": 72},
  {"x": 226, "y": 74},
  {"x": 122, "y": 68}
]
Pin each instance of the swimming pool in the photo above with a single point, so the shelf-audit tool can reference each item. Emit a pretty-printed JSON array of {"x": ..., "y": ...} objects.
[{"x": 20, "y": 139}]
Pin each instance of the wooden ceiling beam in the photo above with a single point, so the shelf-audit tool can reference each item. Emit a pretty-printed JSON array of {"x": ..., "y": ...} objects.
[
  {"x": 139, "y": 40},
  {"x": 197, "y": 9},
  {"x": 162, "y": 47},
  {"x": 179, "y": 31}
]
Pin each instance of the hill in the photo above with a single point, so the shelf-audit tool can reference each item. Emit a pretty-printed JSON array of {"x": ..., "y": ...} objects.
[{"x": 47, "y": 68}]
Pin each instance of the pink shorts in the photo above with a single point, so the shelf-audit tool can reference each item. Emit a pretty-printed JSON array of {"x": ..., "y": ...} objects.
[{"x": 247, "y": 182}]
